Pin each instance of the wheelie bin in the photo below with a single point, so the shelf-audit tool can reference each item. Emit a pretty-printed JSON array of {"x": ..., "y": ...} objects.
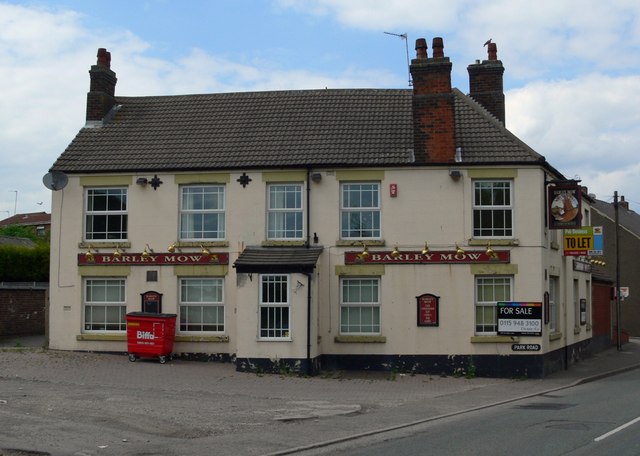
[{"x": 150, "y": 335}]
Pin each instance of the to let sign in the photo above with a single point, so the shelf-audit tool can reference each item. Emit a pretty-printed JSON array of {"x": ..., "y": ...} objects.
[
  {"x": 583, "y": 241},
  {"x": 519, "y": 318},
  {"x": 428, "y": 309}
]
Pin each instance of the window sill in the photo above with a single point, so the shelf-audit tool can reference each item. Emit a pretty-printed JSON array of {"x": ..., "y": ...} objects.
[
  {"x": 494, "y": 242},
  {"x": 103, "y": 337},
  {"x": 555, "y": 336},
  {"x": 205, "y": 243},
  {"x": 297, "y": 243},
  {"x": 195, "y": 338},
  {"x": 494, "y": 339},
  {"x": 360, "y": 242},
  {"x": 360, "y": 339},
  {"x": 106, "y": 244}
]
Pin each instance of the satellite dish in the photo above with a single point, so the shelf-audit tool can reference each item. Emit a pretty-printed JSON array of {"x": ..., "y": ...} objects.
[{"x": 55, "y": 180}]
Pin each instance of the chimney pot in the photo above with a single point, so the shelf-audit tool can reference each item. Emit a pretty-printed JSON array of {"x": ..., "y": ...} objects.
[
  {"x": 421, "y": 48},
  {"x": 438, "y": 48},
  {"x": 104, "y": 58},
  {"x": 492, "y": 51}
]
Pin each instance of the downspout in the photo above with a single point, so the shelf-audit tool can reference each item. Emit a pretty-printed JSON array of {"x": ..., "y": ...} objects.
[{"x": 308, "y": 274}]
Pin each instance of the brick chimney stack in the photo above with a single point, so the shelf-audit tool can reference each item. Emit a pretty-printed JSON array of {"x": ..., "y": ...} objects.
[
  {"x": 485, "y": 83},
  {"x": 101, "y": 96},
  {"x": 624, "y": 204},
  {"x": 433, "y": 106}
]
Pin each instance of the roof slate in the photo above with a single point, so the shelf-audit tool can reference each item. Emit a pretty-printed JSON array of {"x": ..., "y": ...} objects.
[{"x": 281, "y": 129}]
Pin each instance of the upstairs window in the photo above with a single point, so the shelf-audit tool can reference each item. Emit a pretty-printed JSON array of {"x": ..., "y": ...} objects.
[
  {"x": 492, "y": 209},
  {"x": 106, "y": 214},
  {"x": 202, "y": 213},
  {"x": 360, "y": 211},
  {"x": 284, "y": 212}
]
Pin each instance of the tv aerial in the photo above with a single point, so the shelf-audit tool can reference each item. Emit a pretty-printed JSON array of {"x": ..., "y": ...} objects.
[
  {"x": 403, "y": 36},
  {"x": 55, "y": 180}
]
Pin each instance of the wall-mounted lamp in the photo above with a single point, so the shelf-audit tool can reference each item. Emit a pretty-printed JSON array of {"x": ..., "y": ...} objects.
[
  {"x": 459, "y": 250},
  {"x": 205, "y": 251},
  {"x": 89, "y": 254},
  {"x": 142, "y": 181},
  {"x": 490, "y": 252},
  {"x": 172, "y": 248},
  {"x": 147, "y": 251},
  {"x": 365, "y": 252},
  {"x": 597, "y": 262},
  {"x": 455, "y": 174},
  {"x": 316, "y": 177},
  {"x": 395, "y": 253},
  {"x": 425, "y": 250},
  {"x": 117, "y": 253}
]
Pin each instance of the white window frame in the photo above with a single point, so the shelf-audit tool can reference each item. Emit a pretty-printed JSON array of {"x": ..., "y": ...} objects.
[
  {"x": 198, "y": 304},
  {"x": 90, "y": 306},
  {"x": 188, "y": 215},
  {"x": 489, "y": 306},
  {"x": 349, "y": 207},
  {"x": 554, "y": 297},
  {"x": 492, "y": 209},
  {"x": 280, "y": 214},
  {"x": 272, "y": 308},
  {"x": 358, "y": 307},
  {"x": 91, "y": 214}
]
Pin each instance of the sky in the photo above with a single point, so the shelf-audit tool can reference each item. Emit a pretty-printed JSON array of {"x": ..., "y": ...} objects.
[{"x": 572, "y": 68}]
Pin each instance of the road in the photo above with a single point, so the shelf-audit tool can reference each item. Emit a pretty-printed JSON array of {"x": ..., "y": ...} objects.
[{"x": 596, "y": 419}]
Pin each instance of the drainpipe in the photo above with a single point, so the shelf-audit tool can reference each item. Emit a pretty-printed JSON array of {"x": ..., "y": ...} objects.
[{"x": 308, "y": 274}]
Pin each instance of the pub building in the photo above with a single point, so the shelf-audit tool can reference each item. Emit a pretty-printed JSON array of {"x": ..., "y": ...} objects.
[{"x": 378, "y": 229}]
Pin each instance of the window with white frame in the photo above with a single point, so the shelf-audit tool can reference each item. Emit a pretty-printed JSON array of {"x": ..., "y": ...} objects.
[
  {"x": 492, "y": 209},
  {"x": 489, "y": 292},
  {"x": 554, "y": 296},
  {"x": 275, "y": 308},
  {"x": 360, "y": 305},
  {"x": 284, "y": 211},
  {"x": 360, "y": 210},
  {"x": 105, "y": 306},
  {"x": 106, "y": 214},
  {"x": 202, "y": 304},
  {"x": 202, "y": 213}
]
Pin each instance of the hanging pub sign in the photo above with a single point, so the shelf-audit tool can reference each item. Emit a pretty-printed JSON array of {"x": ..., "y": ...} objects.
[
  {"x": 519, "y": 318},
  {"x": 564, "y": 206},
  {"x": 428, "y": 309},
  {"x": 156, "y": 259}
]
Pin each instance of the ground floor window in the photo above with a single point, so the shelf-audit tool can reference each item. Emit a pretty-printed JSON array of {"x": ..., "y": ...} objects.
[
  {"x": 490, "y": 291},
  {"x": 360, "y": 306},
  {"x": 202, "y": 304},
  {"x": 105, "y": 306},
  {"x": 275, "y": 308}
]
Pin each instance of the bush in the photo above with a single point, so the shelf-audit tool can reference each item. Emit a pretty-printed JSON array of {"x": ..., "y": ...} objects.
[{"x": 22, "y": 264}]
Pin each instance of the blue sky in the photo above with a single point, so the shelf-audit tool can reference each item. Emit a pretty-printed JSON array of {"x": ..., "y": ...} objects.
[{"x": 572, "y": 78}]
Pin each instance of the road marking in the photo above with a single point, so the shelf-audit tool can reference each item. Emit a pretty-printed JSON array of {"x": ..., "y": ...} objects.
[{"x": 618, "y": 429}]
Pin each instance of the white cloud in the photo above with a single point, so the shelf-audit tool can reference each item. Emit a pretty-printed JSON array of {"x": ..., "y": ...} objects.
[{"x": 589, "y": 126}]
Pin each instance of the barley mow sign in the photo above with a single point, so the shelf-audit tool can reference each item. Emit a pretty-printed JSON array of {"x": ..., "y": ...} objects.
[
  {"x": 436, "y": 257},
  {"x": 156, "y": 259}
]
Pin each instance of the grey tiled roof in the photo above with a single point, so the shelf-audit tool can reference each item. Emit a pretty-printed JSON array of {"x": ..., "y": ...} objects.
[
  {"x": 278, "y": 259},
  {"x": 336, "y": 127}
]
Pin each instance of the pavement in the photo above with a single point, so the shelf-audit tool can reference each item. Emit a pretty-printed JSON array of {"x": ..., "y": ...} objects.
[{"x": 194, "y": 405}]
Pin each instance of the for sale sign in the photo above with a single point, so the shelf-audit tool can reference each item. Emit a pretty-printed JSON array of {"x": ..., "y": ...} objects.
[{"x": 519, "y": 318}]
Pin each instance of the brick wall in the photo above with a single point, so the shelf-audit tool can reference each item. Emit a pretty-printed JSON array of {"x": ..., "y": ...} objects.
[{"x": 22, "y": 311}]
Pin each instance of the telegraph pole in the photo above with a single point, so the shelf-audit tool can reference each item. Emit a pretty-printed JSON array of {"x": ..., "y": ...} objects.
[{"x": 618, "y": 310}]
